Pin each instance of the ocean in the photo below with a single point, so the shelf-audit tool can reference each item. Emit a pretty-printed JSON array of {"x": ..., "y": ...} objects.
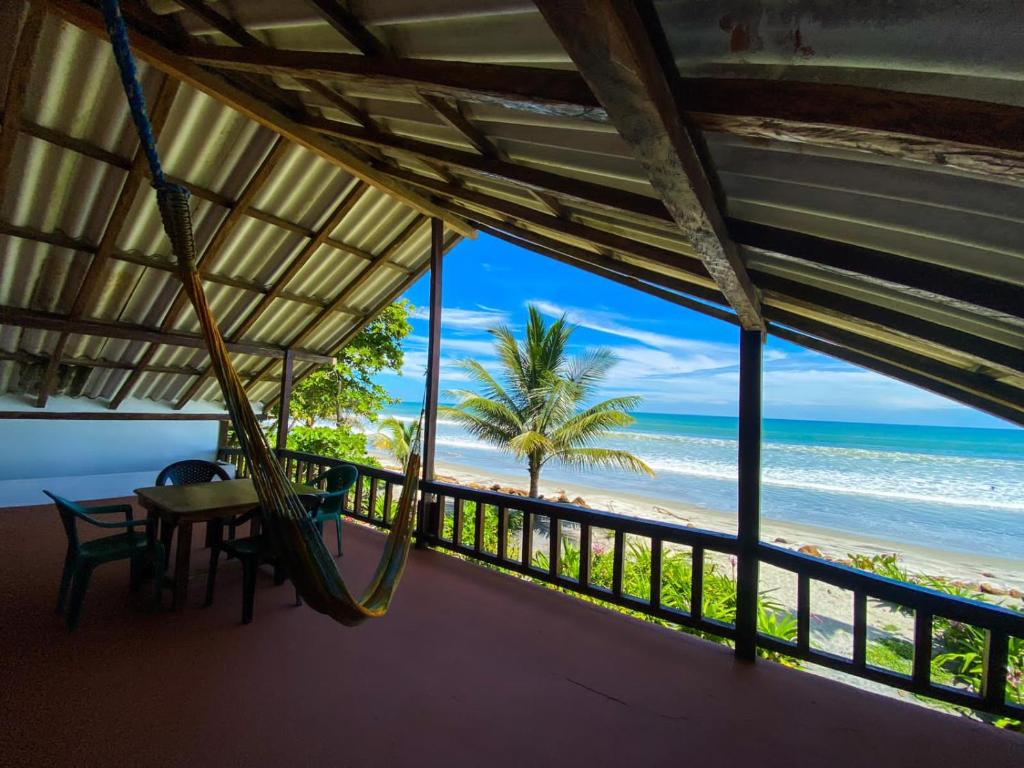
[{"x": 950, "y": 488}]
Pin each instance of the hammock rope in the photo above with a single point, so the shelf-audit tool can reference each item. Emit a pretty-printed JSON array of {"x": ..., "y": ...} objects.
[{"x": 285, "y": 519}]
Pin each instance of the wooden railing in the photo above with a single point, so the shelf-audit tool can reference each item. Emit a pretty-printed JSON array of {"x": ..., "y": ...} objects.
[{"x": 561, "y": 543}]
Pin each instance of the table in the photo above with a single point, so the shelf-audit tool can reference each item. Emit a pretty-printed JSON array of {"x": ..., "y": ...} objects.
[{"x": 180, "y": 506}]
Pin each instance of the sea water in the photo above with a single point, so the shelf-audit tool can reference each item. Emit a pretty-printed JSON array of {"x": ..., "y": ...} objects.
[{"x": 951, "y": 488}]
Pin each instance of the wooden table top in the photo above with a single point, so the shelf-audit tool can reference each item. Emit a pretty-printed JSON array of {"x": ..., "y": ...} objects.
[{"x": 205, "y": 501}]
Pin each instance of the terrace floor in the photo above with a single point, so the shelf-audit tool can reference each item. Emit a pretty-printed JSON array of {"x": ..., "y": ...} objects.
[{"x": 470, "y": 668}]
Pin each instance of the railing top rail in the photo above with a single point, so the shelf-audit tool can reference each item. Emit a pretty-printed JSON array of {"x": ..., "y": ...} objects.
[
  {"x": 365, "y": 469},
  {"x": 670, "y": 532},
  {"x": 898, "y": 592}
]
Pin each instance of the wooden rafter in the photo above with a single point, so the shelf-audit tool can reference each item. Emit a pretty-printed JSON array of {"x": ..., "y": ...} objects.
[
  {"x": 216, "y": 87},
  {"x": 300, "y": 259},
  {"x": 976, "y": 136},
  {"x": 17, "y": 88},
  {"x": 94, "y": 276},
  {"x": 220, "y": 238},
  {"x": 26, "y": 358},
  {"x": 616, "y": 51},
  {"x": 351, "y": 287},
  {"x": 49, "y": 321}
]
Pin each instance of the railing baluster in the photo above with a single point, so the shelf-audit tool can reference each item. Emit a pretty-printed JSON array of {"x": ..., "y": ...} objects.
[
  {"x": 554, "y": 545},
  {"x": 389, "y": 490},
  {"x": 502, "y": 534},
  {"x": 527, "y": 553},
  {"x": 656, "y": 547},
  {"x": 993, "y": 686},
  {"x": 359, "y": 496},
  {"x": 371, "y": 509},
  {"x": 478, "y": 531},
  {"x": 697, "y": 583},
  {"x": 618, "y": 555},
  {"x": 922, "y": 648},
  {"x": 803, "y": 612},
  {"x": 860, "y": 629},
  {"x": 457, "y": 522},
  {"x": 585, "y": 549}
]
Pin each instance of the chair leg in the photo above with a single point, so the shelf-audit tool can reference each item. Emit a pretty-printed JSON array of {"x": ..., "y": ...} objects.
[
  {"x": 248, "y": 588},
  {"x": 337, "y": 532},
  {"x": 211, "y": 576},
  {"x": 65, "y": 579},
  {"x": 80, "y": 584}
]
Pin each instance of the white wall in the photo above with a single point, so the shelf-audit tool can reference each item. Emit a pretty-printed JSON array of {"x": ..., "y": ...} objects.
[{"x": 94, "y": 459}]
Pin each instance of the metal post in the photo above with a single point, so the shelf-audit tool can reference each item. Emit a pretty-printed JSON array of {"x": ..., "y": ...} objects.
[
  {"x": 433, "y": 368},
  {"x": 285, "y": 401},
  {"x": 749, "y": 487}
]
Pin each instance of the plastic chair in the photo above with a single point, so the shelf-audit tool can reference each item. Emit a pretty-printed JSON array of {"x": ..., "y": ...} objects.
[
  {"x": 252, "y": 552},
  {"x": 191, "y": 471},
  {"x": 338, "y": 481},
  {"x": 82, "y": 558}
]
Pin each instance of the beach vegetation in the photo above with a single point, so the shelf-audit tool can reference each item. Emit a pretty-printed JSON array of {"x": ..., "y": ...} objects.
[
  {"x": 537, "y": 408},
  {"x": 341, "y": 442},
  {"x": 396, "y": 437}
]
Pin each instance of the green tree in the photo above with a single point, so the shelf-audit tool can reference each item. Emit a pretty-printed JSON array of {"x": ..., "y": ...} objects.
[
  {"x": 347, "y": 389},
  {"x": 396, "y": 437},
  {"x": 537, "y": 411}
]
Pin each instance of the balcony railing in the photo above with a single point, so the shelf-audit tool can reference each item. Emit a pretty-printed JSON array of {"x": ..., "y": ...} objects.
[{"x": 561, "y": 543}]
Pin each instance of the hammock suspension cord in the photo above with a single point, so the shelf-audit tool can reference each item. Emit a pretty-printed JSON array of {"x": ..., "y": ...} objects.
[{"x": 286, "y": 521}]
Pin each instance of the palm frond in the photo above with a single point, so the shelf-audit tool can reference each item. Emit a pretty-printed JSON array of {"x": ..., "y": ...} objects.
[{"x": 597, "y": 458}]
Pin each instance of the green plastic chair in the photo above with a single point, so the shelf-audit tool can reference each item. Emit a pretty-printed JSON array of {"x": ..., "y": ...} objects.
[
  {"x": 338, "y": 482},
  {"x": 82, "y": 558}
]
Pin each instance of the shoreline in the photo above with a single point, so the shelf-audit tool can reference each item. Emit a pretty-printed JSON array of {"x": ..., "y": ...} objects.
[{"x": 975, "y": 569}]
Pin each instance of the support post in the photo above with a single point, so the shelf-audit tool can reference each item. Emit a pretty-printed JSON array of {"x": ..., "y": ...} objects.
[
  {"x": 433, "y": 369},
  {"x": 285, "y": 402},
  {"x": 749, "y": 496}
]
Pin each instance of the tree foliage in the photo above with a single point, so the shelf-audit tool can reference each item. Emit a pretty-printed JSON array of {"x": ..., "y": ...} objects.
[
  {"x": 346, "y": 389},
  {"x": 536, "y": 411},
  {"x": 396, "y": 437}
]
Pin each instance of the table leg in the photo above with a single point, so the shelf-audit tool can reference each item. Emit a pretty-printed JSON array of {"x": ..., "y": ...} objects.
[{"x": 181, "y": 564}]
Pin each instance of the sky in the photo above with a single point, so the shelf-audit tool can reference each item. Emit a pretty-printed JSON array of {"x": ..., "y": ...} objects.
[{"x": 677, "y": 360}]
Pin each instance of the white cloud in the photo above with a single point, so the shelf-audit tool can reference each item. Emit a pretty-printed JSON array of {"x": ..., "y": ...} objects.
[
  {"x": 470, "y": 347},
  {"x": 481, "y": 318}
]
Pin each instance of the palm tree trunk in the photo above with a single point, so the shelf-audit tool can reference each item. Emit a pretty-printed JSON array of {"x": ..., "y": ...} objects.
[{"x": 534, "y": 477}]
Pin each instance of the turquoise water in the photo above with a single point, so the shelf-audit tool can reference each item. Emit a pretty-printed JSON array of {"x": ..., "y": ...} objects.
[{"x": 952, "y": 488}]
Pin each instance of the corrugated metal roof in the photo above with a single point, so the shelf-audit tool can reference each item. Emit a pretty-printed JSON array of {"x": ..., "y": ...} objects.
[{"x": 905, "y": 202}]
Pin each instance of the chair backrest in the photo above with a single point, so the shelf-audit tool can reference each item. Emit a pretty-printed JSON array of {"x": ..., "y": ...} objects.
[
  {"x": 69, "y": 514},
  {"x": 191, "y": 471},
  {"x": 338, "y": 480}
]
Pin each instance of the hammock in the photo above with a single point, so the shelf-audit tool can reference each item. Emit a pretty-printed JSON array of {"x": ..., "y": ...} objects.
[{"x": 286, "y": 522}]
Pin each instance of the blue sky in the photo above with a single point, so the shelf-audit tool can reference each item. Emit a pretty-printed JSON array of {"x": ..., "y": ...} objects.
[{"x": 679, "y": 361}]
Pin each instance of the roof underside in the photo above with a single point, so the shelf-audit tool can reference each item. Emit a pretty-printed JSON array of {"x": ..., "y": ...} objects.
[{"x": 877, "y": 213}]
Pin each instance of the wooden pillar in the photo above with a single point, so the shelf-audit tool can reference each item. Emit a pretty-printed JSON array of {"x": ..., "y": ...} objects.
[
  {"x": 285, "y": 401},
  {"x": 749, "y": 497},
  {"x": 433, "y": 348}
]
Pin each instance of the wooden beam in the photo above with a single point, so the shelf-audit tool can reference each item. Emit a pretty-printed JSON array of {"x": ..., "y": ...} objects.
[
  {"x": 433, "y": 350},
  {"x": 285, "y": 397},
  {"x": 500, "y": 206},
  {"x": 216, "y": 87},
  {"x": 48, "y": 321},
  {"x": 974, "y": 136},
  {"x": 333, "y": 221},
  {"x": 343, "y": 20},
  {"x": 875, "y": 321},
  {"x": 587, "y": 192},
  {"x": 17, "y": 88},
  {"x": 900, "y": 372},
  {"x": 616, "y": 47},
  {"x": 112, "y": 416},
  {"x": 975, "y": 293}
]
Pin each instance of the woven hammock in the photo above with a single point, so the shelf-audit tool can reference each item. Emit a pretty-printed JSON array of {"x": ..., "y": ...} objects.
[{"x": 285, "y": 520}]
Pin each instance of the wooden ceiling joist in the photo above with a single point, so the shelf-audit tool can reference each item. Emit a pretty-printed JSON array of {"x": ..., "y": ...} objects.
[
  {"x": 17, "y": 86},
  {"x": 615, "y": 50},
  {"x": 216, "y": 87},
  {"x": 49, "y": 321}
]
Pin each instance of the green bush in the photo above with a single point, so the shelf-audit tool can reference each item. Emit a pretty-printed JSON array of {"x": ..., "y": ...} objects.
[{"x": 332, "y": 442}]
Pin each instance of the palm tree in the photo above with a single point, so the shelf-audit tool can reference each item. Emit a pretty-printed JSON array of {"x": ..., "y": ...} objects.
[
  {"x": 396, "y": 437},
  {"x": 536, "y": 412}
]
